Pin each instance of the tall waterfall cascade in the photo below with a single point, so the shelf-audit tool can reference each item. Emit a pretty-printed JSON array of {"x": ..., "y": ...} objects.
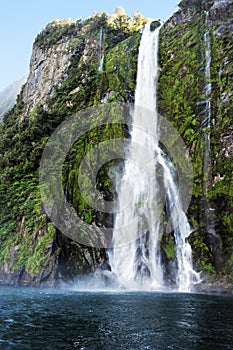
[{"x": 136, "y": 257}]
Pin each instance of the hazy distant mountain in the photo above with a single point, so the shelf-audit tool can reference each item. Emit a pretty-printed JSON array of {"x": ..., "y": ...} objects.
[{"x": 8, "y": 96}]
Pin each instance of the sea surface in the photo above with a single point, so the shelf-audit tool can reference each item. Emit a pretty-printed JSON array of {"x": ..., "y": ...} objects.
[{"x": 70, "y": 319}]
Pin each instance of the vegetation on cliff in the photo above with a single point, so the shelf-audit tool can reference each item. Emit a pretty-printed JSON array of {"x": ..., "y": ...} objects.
[
  {"x": 182, "y": 99},
  {"x": 102, "y": 64},
  {"x": 32, "y": 250}
]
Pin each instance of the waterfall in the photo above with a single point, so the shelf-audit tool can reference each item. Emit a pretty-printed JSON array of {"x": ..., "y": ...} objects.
[
  {"x": 101, "y": 63},
  {"x": 209, "y": 214},
  {"x": 136, "y": 257}
]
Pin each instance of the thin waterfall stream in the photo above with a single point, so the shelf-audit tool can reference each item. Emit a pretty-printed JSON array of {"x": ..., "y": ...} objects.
[
  {"x": 209, "y": 214},
  {"x": 138, "y": 264},
  {"x": 100, "y": 68}
]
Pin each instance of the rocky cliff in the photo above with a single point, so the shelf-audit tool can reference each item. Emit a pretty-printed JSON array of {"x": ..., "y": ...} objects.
[
  {"x": 195, "y": 94},
  {"x": 80, "y": 64},
  {"x": 65, "y": 77}
]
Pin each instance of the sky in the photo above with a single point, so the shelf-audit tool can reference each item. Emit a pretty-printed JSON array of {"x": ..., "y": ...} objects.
[{"x": 22, "y": 20}]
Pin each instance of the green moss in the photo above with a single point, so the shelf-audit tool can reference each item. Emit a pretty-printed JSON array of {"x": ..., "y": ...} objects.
[
  {"x": 169, "y": 249},
  {"x": 81, "y": 199},
  {"x": 121, "y": 68},
  {"x": 25, "y": 235},
  {"x": 201, "y": 253},
  {"x": 181, "y": 88},
  {"x": 39, "y": 258}
]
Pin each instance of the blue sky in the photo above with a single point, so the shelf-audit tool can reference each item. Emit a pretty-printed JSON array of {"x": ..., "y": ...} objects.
[{"x": 21, "y": 21}]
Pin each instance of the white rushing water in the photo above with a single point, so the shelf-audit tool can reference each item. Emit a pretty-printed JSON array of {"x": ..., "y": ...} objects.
[
  {"x": 210, "y": 216},
  {"x": 101, "y": 64},
  {"x": 138, "y": 264}
]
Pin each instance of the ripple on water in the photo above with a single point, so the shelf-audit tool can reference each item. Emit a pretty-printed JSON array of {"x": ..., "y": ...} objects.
[{"x": 108, "y": 321}]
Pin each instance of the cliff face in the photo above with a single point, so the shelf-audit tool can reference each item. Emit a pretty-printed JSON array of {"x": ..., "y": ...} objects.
[
  {"x": 47, "y": 70},
  {"x": 195, "y": 94},
  {"x": 63, "y": 44},
  {"x": 65, "y": 77},
  {"x": 76, "y": 65}
]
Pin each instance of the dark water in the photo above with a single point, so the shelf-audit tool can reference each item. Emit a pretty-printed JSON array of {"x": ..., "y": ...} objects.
[{"x": 63, "y": 319}]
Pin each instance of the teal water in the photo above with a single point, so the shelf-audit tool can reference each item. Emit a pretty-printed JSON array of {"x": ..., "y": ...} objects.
[{"x": 67, "y": 319}]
